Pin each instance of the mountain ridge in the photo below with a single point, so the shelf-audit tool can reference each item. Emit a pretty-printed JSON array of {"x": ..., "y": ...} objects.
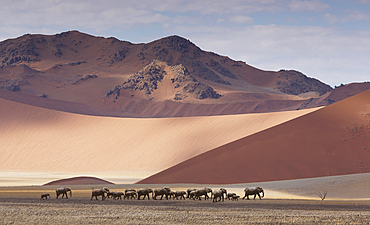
[{"x": 52, "y": 65}]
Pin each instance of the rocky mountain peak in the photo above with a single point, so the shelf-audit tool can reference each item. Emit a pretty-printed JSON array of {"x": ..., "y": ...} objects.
[{"x": 182, "y": 83}]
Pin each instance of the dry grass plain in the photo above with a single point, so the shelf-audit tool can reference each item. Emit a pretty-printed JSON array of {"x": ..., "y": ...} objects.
[
  {"x": 285, "y": 202},
  {"x": 81, "y": 210}
]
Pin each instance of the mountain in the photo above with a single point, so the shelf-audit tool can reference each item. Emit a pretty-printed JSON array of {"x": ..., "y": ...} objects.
[
  {"x": 333, "y": 140},
  {"x": 169, "y": 77}
]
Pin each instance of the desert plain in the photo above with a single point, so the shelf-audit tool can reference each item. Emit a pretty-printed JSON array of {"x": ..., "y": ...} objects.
[
  {"x": 285, "y": 202},
  {"x": 167, "y": 113}
]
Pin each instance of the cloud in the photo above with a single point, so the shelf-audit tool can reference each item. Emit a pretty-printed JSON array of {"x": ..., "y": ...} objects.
[
  {"x": 241, "y": 19},
  {"x": 82, "y": 15},
  {"x": 357, "y": 15},
  {"x": 351, "y": 15},
  {"x": 330, "y": 18},
  {"x": 216, "y": 6},
  {"x": 307, "y": 5},
  {"x": 363, "y": 1}
]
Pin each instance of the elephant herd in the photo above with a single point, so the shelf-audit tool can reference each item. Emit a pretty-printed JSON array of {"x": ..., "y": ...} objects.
[{"x": 142, "y": 193}]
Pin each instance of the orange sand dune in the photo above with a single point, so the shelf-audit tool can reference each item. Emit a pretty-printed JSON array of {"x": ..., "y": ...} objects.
[
  {"x": 334, "y": 140},
  {"x": 38, "y": 140},
  {"x": 79, "y": 181}
]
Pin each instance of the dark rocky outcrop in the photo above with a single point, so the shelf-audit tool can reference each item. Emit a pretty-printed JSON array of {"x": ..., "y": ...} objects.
[
  {"x": 201, "y": 90},
  {"x": 85, "y": 78},
  {"x": 10, "y": 86},
  {"x": 147, "y": 80},
  {"x": 294, "y": 83},
  {"x": 13, "y": 52},
  {"x": 119, "y": 55},
  {"x": 190, "y": 84}
]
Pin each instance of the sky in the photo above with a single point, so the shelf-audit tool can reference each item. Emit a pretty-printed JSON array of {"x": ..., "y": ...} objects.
[{"x": 325, "y": 39}]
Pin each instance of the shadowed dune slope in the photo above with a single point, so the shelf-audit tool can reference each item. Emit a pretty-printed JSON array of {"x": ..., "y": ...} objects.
[
  {"x": 38, "y": 140},
  {"x": 334, "y": 140},
  {"x": 79, "y": 181}
]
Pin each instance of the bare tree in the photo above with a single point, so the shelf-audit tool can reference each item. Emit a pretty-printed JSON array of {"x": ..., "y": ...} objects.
[{"x": 322, "y": 195}]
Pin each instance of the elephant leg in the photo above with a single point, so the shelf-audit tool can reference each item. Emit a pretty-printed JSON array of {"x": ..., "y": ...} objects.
[
  {"x": 254, "y": 196},
  {"x": 259, "y": 195}
]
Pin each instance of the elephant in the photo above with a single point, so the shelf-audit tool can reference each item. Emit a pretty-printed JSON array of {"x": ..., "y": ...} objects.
[
  {"x": 117, "y": 195},
  {"x": 172, "y": 194},
  {"x": 130, "y": 190},
  {"x": 130, "y": 195},
  {"x": 200, "y": 192},
  {"x": 180, "y": 194},
  {"x": 145, "y": 192},
  {"x": 45, "y": 196},
  {"x": 99, "y": 192},
  {"x": 253, "y": 191},
  {"x": 109, "y": 194},
  {"x": 192, "y": 194},
  {"x": 230, "y": 195},
  {"x": 219, "y": 194},
  {"x": 235, "y": 197},
  {"x": 160, "y": 192},
  {"x": 63, "y": 191},
  {"x": 190, "y": 190}
]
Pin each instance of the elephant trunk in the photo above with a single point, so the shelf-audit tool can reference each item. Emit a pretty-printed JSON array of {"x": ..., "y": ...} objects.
[
  {"x": 70, "y": 194},
  {"x": 263, "y": 193}
]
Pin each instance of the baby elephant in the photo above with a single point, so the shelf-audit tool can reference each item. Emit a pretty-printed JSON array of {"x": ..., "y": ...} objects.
[
  {"x": 45, "y": 196},
  {"x": 130, "y": 195},
  {"x": 180, "y": 194},
  {"x": 235, "y": 197},
  {"x": 230, "y": 195},
  {"x": 117, "y": 195}
]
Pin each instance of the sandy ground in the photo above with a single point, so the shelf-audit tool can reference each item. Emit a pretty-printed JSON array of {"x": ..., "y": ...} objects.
[
  {"x": 285, "y": 202},
  {"x": 39, "y": 143},
  {"x": 333, "y": 140},
  {"x": 84, "y": 211}
]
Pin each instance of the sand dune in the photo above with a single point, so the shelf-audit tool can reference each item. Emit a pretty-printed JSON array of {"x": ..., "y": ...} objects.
[
  {"x": 331, "y": 141},
  {"x": 79, "y": 181},
  {"x": 36, "y": 140}
]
